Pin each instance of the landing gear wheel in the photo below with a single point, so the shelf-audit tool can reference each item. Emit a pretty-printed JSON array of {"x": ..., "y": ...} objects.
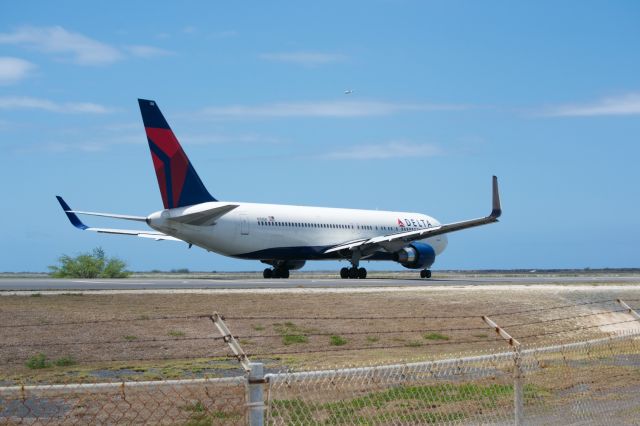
[
  {"x": 275, "y": 273},
  {"x": 353, "y": 273},
  {"x": 344, "y": 273},
  {"x": 362, "y": 273},
  {"x": 284, "y": 273},
  {"x": 425, "y": 273},
  {"x": 267, "y": 273}
]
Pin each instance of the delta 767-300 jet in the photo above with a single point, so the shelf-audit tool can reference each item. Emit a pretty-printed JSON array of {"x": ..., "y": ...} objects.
[{"x": 282, "y": 236}]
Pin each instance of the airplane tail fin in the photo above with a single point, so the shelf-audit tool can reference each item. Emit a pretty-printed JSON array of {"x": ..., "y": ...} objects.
[{"x": 179, "y": 183}]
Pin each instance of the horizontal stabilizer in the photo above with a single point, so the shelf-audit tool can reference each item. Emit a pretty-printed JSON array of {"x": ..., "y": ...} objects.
[
  {"x": 111, "y": 215},
  {"x": 204, "y": 217},
  {"x": 75, "y": 221}
]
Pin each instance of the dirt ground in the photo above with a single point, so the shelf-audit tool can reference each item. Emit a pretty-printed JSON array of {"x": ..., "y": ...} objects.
[{"x": 99, "y": 337}]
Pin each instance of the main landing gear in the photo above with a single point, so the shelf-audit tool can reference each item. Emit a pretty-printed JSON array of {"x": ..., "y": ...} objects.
[
  {"x": 425, "y": 273},
  {"x": 354, "y": 271},
  {"x": 275, "y": 273}
]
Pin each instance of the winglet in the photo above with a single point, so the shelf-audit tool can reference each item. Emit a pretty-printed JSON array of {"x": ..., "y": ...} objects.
[
  {"x": 73, "y": 218},
  {"x": 496, "y": 208}
]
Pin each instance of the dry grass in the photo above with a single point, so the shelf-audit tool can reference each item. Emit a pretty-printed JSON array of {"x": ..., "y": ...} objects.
[{"x": 181, "y": 347}]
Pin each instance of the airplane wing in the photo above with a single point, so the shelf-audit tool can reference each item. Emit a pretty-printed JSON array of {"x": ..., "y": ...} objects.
[
  {"x": 75, "y": 221},
  {"x": 388, "y": 241}
]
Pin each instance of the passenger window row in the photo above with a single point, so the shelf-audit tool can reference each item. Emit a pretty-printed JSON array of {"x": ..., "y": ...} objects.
[{"x": 334, "y": 226}]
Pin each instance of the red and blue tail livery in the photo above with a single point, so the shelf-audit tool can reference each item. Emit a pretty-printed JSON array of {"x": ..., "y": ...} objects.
[{"x": 180, "y": 185}]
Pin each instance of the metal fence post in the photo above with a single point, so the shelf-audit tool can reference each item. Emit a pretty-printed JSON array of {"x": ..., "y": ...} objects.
[
  {"x": 255, "y": 392},
  {"x": 518, "y": 388},
  {"x": 518, "y": 385}
]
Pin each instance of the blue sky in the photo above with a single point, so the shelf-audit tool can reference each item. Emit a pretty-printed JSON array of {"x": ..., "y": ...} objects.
[{"x": 544, "y": 94}]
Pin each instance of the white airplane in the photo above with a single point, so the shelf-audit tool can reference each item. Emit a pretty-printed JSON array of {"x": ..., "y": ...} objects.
[
  {"x": 282, "y": 236},
  {"x": 348, "y": 92}
]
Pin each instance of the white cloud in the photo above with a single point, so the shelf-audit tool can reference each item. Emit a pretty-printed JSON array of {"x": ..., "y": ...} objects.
[
  {"x": 12, "y": 70},
  {"x": 56, "y": 40},
  {"x": 393, "y": 149},
  {"x": 304, "y": 58},
  {"x": 25, "y": 102},
  {"x": 143, "y": 51},
  {"x": 628, "y": 104},
  {"x": 324, "y": 109}
]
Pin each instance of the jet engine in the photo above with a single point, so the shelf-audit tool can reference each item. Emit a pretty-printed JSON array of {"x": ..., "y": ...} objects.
[{"x": 416, "y": 256}]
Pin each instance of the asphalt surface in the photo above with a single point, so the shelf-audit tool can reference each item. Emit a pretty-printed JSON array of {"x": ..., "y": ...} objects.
[{"x": 44, "y": 284}]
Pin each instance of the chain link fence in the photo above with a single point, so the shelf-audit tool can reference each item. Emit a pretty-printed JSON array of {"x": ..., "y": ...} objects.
[
  {"x": 168, "y": 402},
  {"x": 589, "y": 382}
]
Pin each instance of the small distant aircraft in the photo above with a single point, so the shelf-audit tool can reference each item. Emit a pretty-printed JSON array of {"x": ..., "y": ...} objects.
[
  {"x": 348, "y": 92},
  {"x": 283, "y": 237}
]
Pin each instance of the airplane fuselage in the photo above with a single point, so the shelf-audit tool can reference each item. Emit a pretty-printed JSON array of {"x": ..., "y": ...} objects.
[{"x": 274, "y": 231}]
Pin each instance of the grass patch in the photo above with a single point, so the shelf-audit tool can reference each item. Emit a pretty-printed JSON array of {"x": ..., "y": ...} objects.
[
  {"x": 258, "y": 327},
  {"x": 291, "y": 333},
  {"x": 130, "y": 338},
  {"x": 373, "y": 339},
  {"x": 337, "y": 341},
  {"x": 38, "y": 361},
  {"x": 65, "y": 361},
  {"x": 176, "y": 333},
  {"x": 200, "y": 416},
  {"x": 481, "y": 335},
  {"x": 292, "y": 339},
  {"x": 435, "y": 336},
  {"x": 424, "y": 404},
  {"x": 35, "y": 295},
  {"x": 415, "y": 344}
]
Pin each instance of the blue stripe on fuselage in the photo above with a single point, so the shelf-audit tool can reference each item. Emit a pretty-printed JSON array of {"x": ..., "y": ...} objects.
[{"x": 304, "y": 253}]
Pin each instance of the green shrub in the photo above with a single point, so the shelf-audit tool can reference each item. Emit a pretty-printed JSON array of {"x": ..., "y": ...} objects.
[
  {"x": 89, "y": 265},
  {"x": 38, "y": 361}
]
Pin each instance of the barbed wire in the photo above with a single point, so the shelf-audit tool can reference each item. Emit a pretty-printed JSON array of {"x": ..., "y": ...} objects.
[
  {"x": 613, "y": 311},
  {"x": 414, "y": 345},
  {"x": 392, "y": 317},
  {"x": 306, "y": 334},
  {"x": 250, "y": 318},
  {"x": 140, "y": 318},
  {"x": 205, "y": 357},
  {"x": 426, "y": 330},
  {"x": 549, "y": 333},
  {"x": 363, "y": 348},
  {"x": 109, "y": 342}
]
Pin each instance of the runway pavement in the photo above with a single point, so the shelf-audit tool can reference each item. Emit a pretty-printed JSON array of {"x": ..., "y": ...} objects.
[{"x": 51, "y": 284}]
